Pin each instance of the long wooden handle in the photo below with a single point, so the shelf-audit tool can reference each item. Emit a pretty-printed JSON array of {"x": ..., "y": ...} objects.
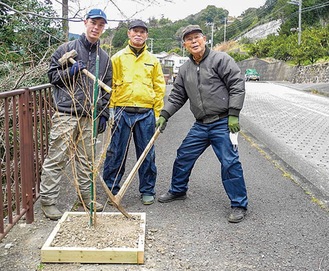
[
  {"x": 139, "y": 162},
  {"x": 91, "y": 76}
]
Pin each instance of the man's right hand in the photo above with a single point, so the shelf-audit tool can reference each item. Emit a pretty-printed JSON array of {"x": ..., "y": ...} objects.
[
  {"x": 161, "y": 123},
  {"x": 76, "y": 67}
]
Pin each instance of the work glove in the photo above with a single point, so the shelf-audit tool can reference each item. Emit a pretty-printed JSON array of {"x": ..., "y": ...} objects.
[
  {"x": 76, "y": 67},
  {"x": 111, "y": 115},
  {"x": 161, "y": 123},
  {"x": 233, "y": 124},
  {"x": 102, "y": 124}
]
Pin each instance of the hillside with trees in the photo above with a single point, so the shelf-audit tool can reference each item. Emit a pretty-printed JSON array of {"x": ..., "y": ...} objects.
[{"x": 31, "y": 29}]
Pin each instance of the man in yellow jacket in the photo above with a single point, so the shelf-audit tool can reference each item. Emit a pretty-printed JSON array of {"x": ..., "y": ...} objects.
[{"x": 138, "y": 89}]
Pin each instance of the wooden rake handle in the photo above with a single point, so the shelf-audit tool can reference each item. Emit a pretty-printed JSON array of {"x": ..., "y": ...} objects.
[
  {"x": 90, "y": 75},
  {"x": 133, "y": 172}
]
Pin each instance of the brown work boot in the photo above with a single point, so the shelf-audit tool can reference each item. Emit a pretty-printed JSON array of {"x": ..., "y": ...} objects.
[
  {"x": 86, "y": 199},
  {"x": 51, "y": 211}
]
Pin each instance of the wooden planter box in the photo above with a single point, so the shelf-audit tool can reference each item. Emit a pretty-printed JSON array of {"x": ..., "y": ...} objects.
[{"x": 51, "y": 253}]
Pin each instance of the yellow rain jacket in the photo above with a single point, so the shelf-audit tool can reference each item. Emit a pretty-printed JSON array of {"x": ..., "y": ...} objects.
[{"x": 137, "y": 81}]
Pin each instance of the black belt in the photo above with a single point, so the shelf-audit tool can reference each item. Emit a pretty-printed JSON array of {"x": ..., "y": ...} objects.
[
  {"x": 212, "y": 118},
  {"x": 139, "y": 110}
]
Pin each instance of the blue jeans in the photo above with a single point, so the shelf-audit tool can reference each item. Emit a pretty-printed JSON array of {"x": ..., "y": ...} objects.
[
  {"x": 141, "y": 126},
  {"x": 198, "y": 139}
]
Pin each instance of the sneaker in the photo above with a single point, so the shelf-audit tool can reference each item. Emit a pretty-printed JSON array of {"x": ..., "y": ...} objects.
[
  {"x": 237, "y": 215},
  {"x": 168, "y": 197},
  {"x": 51, "y": 212},
  {"x": 147, "y": 200}
]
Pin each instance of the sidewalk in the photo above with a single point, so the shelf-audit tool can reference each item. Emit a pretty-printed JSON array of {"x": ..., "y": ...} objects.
[
  {"x": 295, "y": 126},
  {"x": 284, "y": 229},
  {"x": 316, "y": 88}
]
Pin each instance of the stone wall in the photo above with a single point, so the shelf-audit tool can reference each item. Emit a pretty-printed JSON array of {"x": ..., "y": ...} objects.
[
  {"x": 318, "y": 73},
  {"x": 280, "y": 71}
]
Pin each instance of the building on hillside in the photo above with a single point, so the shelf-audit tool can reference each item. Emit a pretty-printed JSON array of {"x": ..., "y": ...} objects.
[
  {"x": 177, "y": 61},
  {"x": 170, "y": 65},
  {"x": 161, "y": 57}
]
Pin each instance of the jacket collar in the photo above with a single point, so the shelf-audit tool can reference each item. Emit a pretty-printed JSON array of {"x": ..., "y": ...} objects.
[
  {"x": 90, "y": 46},
  {"x": 137, "y": 51},
  {"x": 206, "y": 53}
]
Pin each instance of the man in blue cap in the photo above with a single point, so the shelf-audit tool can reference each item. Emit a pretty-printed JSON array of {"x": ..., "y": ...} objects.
[{"x": 71, "y": 132}]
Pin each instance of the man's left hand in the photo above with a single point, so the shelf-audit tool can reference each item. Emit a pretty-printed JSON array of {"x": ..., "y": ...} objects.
[
  {"x": 102, "y": 124},
  {"x": 233, "y": 124}
]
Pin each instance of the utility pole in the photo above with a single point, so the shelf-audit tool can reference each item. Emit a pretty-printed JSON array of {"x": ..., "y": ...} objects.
[
  {"x": 224, "y": 29},
  {"x": 299, "y": 4},
  {"x": 299, "y": 22},
  {"x": 151, "y": 46},
  {"x": 212, "y": 34}
]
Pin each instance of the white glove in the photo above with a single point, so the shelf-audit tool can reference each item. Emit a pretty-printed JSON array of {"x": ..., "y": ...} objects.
[{"x": 234, "y": 140}]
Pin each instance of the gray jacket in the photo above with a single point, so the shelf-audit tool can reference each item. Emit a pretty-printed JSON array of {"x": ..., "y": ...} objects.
[
  {"x": 214, "y": 87},
  {"x": 74, "y": 95}
]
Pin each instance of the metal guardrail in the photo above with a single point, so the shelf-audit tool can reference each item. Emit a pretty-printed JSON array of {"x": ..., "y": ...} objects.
[{"x": 25, "y": 116}]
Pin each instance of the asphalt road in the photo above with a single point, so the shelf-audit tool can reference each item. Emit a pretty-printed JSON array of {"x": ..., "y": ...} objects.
[{"x": 286, "y": 229}]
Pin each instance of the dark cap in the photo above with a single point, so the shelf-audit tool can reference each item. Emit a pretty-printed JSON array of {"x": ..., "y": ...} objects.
[
  {"x": 138, "y": 23},
  {"x": 191, "y": 28},
  {"x": 96, "y": 13}
]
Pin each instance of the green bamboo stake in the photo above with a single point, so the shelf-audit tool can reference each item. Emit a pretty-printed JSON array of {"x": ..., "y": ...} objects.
[{"x": 94, "y": 138}]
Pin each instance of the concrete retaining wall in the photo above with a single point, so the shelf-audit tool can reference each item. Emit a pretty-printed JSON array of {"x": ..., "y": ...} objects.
[{"x": 280, "y": 71}]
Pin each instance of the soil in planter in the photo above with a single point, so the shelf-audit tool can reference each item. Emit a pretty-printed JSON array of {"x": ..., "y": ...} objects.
[{"x": 109, "y": 231}]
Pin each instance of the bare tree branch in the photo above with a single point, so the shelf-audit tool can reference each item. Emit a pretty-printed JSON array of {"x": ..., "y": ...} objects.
[
  {"x": 71, "y": 19},
  {"x": 145, "y": 3}
]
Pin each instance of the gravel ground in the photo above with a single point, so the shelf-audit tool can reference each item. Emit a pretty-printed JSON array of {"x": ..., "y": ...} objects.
[{"x": 284, "y": 229}]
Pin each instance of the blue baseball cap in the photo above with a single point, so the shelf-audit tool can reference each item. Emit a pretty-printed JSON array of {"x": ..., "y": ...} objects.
[{"x": 96, "y": 13}]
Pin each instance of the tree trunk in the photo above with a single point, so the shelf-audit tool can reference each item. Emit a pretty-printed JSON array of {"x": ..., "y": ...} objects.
[{"x": 65, "y": 22}]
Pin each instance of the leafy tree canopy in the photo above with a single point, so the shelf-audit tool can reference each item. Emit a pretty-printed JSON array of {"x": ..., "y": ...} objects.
[{"x": 27, "y": 30}]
